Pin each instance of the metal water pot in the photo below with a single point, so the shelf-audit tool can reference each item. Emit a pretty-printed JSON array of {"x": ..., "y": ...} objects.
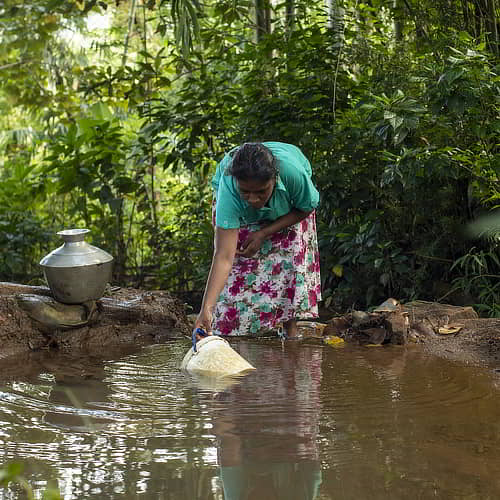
[{"x": 77, "y": 272}]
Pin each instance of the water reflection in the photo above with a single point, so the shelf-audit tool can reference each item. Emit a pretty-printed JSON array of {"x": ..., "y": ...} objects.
[
  {"x": 136, "y": 426},
  {"x": 402, "y": 423},
  {"x": 311, "y": 423},
  {"x": 267, "y": 439},
  {"x": 125, "y": 429}
]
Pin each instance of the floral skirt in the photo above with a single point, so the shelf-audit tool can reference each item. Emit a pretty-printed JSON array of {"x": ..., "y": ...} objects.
[{"x": 280, "y": 282}]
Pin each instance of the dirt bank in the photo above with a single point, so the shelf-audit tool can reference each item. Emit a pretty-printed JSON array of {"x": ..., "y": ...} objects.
[
  {"x": 476, "y": 340},
  {"x": 129, "y": 317},
  {"x": 477, "y": 344},
  {"x": 122, "y": 317},
  {"x": 453, "y": 332}
]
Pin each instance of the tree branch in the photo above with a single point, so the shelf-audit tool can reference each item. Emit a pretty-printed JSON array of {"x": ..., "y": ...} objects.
[{"x": 10, "y": 65}]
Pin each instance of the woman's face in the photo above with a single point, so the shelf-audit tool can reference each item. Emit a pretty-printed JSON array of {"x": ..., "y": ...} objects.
[{"x": 256, "y": 193}]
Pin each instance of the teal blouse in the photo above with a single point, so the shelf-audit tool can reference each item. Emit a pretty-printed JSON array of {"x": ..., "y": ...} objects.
[{"x": 294, "y": 189}]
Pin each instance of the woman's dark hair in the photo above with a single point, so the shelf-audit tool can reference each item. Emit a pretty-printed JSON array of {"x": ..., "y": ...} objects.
[{"x": 253, "y": 161}]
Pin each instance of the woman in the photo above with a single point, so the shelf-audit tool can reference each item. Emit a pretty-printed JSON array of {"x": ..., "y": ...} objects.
[{"x": 266, "y": 260}]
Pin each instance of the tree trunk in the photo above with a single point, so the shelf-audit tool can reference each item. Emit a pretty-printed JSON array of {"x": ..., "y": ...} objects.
[
  {"x": 398, "y": 22},
  {"x": 262, "y": 29},
  {"x": 290, "y": 16},
  {"x": 262, "y": 19},
  {"x": 478, "y": 17},
  {"x": 491, "y": 26},
  {"x": 468, "y": 18},
  {"x": 335, "y": 18},
  {"x": 131, "y": 17}
]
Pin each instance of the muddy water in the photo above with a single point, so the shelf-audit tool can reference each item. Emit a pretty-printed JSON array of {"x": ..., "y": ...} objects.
[{"x": 313, "y": 422}]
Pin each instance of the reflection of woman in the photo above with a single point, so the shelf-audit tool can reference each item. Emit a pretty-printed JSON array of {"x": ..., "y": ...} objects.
[
  {"x": 266, "y": 260},
  {"x": 267, "y": 433},
  {"x": 265, "y": 481}
]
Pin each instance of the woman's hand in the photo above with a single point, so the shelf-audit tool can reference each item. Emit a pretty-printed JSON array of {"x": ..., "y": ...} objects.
[
  {"x": 254, "y": 241},
  {"x": 204, "y": 321},
  {"x": 225, "y": 249},
  {"x": 252, "y": 244}
]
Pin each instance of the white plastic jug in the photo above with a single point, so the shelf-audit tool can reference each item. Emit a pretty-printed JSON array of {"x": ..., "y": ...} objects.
[{"x": 214, "y": 357}]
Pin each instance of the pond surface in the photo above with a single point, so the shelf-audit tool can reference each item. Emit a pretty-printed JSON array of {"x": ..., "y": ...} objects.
[{"x": 313, "y": 422}]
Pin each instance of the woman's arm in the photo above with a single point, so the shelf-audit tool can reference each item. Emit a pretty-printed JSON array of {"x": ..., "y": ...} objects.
[
  {"x": 226, "y": 241},
  {"x": 255, "y": 239}
]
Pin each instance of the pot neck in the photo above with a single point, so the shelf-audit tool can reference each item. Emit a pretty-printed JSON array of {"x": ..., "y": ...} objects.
[{"x": 73, "y": 235}]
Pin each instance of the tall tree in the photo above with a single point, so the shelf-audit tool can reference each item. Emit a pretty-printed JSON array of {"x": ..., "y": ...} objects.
[
  {"x": 262, "y": 19},
  {"x": 290, "y": 15},
  {"x": 491, "y": 25}
]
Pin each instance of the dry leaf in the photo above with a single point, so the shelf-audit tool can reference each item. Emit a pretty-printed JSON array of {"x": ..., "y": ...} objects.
[{"x": 449, "y": 329}]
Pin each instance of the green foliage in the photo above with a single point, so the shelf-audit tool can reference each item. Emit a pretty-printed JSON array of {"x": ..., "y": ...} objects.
[
  {"x": 11, "y": 473},
  {"x": 408, "y": 191},
  {"x": 24, "y": 234},
  {"x": 184, "y": 242},
  {"x": 486, "y": 226},
  {"x": 23, "y": 239},
  {"x": 33, "y": 61},
  {"x": 185, "y": 21},
  {"x": 479, "y": 273},
  {"x": 391, "y": 119},
  {"x": 401, "y": 127},
  {"x": 87, "y": 166}
]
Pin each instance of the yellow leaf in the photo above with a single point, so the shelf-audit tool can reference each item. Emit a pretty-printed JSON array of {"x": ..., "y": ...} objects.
[
  {"x": 50, "y": 19},
  {"x": 79, "y": 4},
  {"x": 334, "y": 341},
  {"x": 338, "y": 270}
]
